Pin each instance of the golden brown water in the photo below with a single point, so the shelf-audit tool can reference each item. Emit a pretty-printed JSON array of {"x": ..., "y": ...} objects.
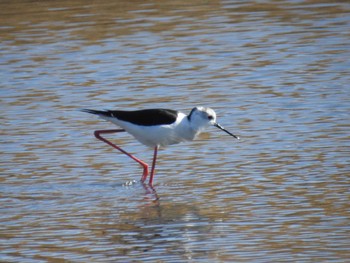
[{"x": 277, "y": 74}]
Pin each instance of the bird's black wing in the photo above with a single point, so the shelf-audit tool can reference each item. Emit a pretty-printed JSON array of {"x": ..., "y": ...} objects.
[{"x": 148, "y": 117}]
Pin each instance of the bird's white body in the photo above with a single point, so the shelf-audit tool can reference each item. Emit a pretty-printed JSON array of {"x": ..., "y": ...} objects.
[{"x": 181, "y": 130}]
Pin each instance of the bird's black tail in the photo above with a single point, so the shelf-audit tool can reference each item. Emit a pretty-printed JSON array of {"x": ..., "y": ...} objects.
[{"x": 98, "y": 112}]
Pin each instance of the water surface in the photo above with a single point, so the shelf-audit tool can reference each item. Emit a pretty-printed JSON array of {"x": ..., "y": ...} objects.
[{"x": 277, "y": 74}]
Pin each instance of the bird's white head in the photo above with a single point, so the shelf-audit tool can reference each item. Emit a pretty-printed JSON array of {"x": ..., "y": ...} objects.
[{"x": 201, "y": 117}]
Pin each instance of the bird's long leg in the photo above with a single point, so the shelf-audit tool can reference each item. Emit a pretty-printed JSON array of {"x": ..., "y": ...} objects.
[
  {"x": 153, "y": 165},
  {"x": 142, "y": 163}
]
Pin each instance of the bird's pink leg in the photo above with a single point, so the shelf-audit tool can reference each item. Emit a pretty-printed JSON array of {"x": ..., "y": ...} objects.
[
  {"x": 144, "y": 165},
  {"x": 153, "y": 165}
]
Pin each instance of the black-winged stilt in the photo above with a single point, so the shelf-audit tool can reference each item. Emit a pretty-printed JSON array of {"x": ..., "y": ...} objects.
[{"x": 157, "y": 127}]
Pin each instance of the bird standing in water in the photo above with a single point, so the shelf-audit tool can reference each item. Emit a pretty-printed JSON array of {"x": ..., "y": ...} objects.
[{"x": 157, "y": 127}]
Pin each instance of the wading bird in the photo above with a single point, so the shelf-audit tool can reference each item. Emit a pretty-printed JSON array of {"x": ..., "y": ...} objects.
[{"x": 157, "y": 127}]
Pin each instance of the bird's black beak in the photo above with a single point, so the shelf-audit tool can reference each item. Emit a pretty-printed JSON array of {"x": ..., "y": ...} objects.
[{"x": 223, "y": 129}]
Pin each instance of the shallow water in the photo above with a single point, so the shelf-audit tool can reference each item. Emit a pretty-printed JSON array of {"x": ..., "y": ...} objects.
[{"x": 277, "y": 74}]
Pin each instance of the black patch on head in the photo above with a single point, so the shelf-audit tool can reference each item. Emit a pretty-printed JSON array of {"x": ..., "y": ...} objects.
[
  {"x": 190, "y": 115},
  {"x": 148, "y": 117}
]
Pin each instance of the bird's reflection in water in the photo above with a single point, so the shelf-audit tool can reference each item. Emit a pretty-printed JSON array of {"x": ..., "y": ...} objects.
[{"x": 150, "y": 192}]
